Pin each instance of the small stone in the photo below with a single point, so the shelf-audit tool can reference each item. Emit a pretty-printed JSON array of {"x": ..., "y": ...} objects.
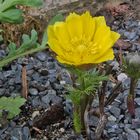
[
  {"x": 137, "y": 100},
  {"x": 43, "y": 71},
  {"x": 2, "y": 91},
  {"x": 26, "y": 133},
  {"x": 51, "y": 98},
  {"x": 115, "y": 111},
  {"x": 62, "y": 130},
  {"x": 41, "y": 56},
  {"x": 35, "y": 113},
  {"x": 112, "y": 118},
  {"x": 138, "y": 130},
  {"x": 132, "y": 135},
  {"x": 33, "y": 91},
  {"x": 2, "y": 54},
  {"x": 137, "y": 112},
  {"x": 122, "y": 77}
]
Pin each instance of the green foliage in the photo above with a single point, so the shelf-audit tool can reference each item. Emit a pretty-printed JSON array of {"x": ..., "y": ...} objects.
[
  {"x": 12, "y": 105},
  {"x": 29, "y": 45},
  {"x": 11, "y": 14},
  {"x": 77, "y": 122},
  {"x": 58, "y": 17}
]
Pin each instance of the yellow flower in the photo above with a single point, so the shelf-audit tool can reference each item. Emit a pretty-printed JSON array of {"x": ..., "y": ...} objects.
[{"x": 82, "y": 39}]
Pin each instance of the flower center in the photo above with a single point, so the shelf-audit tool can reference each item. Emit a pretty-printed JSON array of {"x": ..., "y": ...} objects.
[{"x": 84, "y": 45}]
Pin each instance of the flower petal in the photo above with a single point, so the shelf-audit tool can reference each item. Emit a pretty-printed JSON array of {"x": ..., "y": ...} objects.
[
  {"x": 88, "y": 25},
  {"x": 74, "y": 25}
]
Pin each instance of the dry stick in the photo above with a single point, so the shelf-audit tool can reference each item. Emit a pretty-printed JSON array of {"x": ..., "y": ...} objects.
[
  {"x": 113, "y": 94},
  {"x": 130, "y": 98},
  {"x": 103, "y": 118},
  {"x": 87, "y": 110},
  {"x": 24, "y": 82}
]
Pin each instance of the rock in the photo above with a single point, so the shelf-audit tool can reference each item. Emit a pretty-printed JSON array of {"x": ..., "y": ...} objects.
[
  {"x": 43, "y": 71},
  {"x": 137, "y": 100},
  {"x": 2, "y": 54},
  {"x": 93, "y": 121},
  {"x": 115, "y": 111},
  {"x": 2, "y": 91},
  {"x": 26, "y": 133},
  {"x": 131, "y": 135},
  {"x": 122, "y": 77},
  {"x": 19, "y": 133},
  {"x": 42, "y": 56},
  {"x": 68, "y": 108},
  {"x": 130, "y": 35},
  {"x": 137, "y": 112},
  {"x": 33, "y": 91},
  {"x": 111, "y": 118},
  {"x": 51, "y": 98}
]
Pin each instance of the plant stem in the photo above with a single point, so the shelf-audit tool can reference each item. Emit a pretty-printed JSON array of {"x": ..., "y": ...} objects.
[
  {"x": 9, "y": 59},
  {"x": 130, "y": 98}
]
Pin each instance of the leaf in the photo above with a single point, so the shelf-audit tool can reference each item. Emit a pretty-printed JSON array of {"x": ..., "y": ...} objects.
[
  {"x": 9, "y": 13},
  {"x": 58, "y": 17},
  {"x": 11, "y": 48},
  {"x": 10, "y": 3},
  {"x": 29, "y": 45},
  {"x": 12, "y": 16},
  {"x": 12, "y": 105}
]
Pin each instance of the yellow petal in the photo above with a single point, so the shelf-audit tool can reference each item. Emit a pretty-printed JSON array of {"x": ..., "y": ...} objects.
[
  {"x": 61, "y": 32},
  {"x": 115, "y": 36},
  {"x": 74, "y": 25},
  {"x": 100, "y": 21},
  {"x": 56, "y": 46},
  {"x": 109, "y": 55},
  {"x": 88, "y": 25}
]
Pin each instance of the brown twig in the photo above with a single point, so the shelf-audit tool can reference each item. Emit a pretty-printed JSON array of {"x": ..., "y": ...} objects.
[
  {"x": 115, "y": 92},
  {"x": 24, "y": 82},
  {"x": 100, "y": 127}
]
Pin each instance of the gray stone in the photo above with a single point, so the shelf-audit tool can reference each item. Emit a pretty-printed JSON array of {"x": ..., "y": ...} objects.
[
  {"x": 51, "y": 98},
  {"x": 130, "y": 35},
  {"x": 2, "y": 53},
  {"x": 115, "y": 111},
  {"x": 93, "y": 121},
  {"x": 43, "y": 71},
  {"x": 19, "y": 133},
  {"x": 33, "y": 91},
  {"x": 137, "y": 112},
  {"x": 2, "y": 91},
  {"x": 112, "y": 118},
  {"x": 131, "y": 135},
  {"x": 137, "y": 100},
  {"x": 41, "y": 56}
]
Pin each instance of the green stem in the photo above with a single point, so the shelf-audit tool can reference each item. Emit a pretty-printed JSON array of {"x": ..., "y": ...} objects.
[{"x": 7, "y": 60}]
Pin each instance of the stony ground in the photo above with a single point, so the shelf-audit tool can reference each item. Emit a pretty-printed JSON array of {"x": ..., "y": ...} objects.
[{"x": 46, "y": 83}]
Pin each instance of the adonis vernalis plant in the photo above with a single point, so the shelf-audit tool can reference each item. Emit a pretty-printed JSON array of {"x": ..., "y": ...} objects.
[{"x": 80, "y": 41}]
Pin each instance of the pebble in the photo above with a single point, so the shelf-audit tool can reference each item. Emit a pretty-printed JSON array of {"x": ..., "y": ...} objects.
[
  {"x": 33, "y": 91},
  {"x": 111, "y": 118},
  {"x": 137, "y": 112},
  {"x": 137, "y": 100},
  {"x": 115, "y": 111},
  {"x": 42, "y": 56},
  {"x": 131, "y": 135}
]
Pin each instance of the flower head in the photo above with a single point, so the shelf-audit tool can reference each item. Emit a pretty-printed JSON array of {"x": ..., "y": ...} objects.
[
  {"x": 82, "y": 39},
  {"x": 131, "y": 65}
]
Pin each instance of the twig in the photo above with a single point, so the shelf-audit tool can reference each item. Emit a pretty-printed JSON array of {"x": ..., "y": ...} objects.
[
  {"x": 100, "y": 127},
  {"x": 113, "y": 94},
  {"x": 24, "y": 82}
]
